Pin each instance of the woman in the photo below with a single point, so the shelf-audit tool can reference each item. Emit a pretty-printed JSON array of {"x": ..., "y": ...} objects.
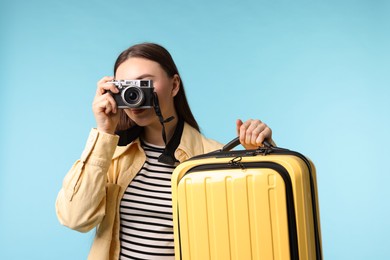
[{"x": 121, "y": 183}]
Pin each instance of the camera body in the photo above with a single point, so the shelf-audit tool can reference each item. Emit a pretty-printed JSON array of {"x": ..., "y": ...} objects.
[{"x": 134, "y": 93}]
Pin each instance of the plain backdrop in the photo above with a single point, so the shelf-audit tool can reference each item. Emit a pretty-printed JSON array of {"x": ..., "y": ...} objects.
[{"x": 316, "y": 71}]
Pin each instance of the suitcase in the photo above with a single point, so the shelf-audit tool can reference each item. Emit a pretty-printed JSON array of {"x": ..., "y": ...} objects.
[{"x": 246, "y": 204}]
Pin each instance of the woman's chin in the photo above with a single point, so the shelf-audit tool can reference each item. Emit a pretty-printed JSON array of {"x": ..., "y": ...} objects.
[{"x": 137, "y": 111}]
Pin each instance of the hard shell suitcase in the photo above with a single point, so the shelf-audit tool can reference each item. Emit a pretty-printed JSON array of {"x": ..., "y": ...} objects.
[{"x": 246, "y": 204}]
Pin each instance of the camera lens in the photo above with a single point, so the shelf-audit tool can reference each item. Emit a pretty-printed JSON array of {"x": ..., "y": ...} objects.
[{"x": 133, "y": 97}]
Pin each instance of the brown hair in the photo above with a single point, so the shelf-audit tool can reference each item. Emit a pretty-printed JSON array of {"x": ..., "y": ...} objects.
[{"x": 159, "y": 54}]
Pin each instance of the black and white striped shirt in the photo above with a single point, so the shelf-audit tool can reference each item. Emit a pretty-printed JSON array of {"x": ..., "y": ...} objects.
[{"x": 146, "y": 230}]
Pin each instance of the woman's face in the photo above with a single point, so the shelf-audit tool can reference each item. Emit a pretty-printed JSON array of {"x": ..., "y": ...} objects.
[{"x": 165, "y": 87}]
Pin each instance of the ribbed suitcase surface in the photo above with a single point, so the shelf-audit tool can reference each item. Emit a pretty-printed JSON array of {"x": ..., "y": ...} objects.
[{"x": 246, "y": 205}]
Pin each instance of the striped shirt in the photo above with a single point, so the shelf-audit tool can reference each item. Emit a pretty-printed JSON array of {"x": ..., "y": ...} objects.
[{"x": 146, "y": 230}]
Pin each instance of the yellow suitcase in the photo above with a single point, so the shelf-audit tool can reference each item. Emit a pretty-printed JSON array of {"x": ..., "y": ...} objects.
[{"x": 246, "y": 204}]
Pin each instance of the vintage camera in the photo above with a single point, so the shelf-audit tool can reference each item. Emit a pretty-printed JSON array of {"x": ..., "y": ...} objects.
[{"x": 134, "y": 93}]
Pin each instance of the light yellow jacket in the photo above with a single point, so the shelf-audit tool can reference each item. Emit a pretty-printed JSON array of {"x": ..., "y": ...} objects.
[{"x": 92, "y": 190}]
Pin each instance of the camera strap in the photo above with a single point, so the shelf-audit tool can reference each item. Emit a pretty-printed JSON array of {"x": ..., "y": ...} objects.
[
  {"x": 160, "y": 117},
  {"x": 168, "y": 156}
]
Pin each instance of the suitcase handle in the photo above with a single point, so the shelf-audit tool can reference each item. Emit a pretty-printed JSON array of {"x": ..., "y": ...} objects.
[{"x": 236, "y": 141}]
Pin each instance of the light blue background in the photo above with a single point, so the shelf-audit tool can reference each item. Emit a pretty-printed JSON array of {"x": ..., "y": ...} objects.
[{"x": 316, "y": 71}]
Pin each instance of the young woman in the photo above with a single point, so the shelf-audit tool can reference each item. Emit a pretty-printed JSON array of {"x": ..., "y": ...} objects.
[{"x": 121, "y": 183}]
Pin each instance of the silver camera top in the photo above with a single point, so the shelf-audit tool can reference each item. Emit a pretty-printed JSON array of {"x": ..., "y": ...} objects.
[{"x": 132, "y": 83}]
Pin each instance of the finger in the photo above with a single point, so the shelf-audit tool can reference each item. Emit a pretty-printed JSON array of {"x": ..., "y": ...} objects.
[
  {"x": 110, "y": 103},
  {"x": 243, "y": 131},
  {"x": 238, "y": 125},
  {"x": 266, "y": 134},
  {"x": 107, "y": 108},
  {"x": 105, "y": 79},
  {"x": 103, "y": 85},
  {"x": 253, "y": 129},
  {"x": 111, "y": 99},
  {"x": 105, "y": 103},
  {"x": 256, "y": 132},
  {"x": 245, "y": 127}
]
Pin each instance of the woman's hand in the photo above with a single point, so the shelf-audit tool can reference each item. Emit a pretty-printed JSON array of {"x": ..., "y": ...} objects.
[
  {"x": 253, "y": 133},
  {"x": 104, "y": 106}
]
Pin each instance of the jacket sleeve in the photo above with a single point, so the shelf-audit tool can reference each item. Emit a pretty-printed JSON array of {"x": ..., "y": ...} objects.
[{"x": 81, "y": 201}]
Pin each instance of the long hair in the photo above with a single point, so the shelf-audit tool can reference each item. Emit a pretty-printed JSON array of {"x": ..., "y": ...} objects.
[{"x": 159, "y": 54}]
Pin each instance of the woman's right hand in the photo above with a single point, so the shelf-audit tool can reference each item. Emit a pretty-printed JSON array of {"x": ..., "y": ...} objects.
[{"x": 104, "y": 106}]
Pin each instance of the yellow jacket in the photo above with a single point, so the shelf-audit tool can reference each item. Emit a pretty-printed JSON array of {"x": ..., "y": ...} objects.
[{"x": 92, "y": 189}]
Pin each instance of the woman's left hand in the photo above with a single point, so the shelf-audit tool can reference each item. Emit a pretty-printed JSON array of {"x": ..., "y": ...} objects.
[{"x": 253, "y": 133}]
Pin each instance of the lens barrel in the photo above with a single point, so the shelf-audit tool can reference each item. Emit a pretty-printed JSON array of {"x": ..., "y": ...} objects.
[{"x": 133, "y": 97}]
